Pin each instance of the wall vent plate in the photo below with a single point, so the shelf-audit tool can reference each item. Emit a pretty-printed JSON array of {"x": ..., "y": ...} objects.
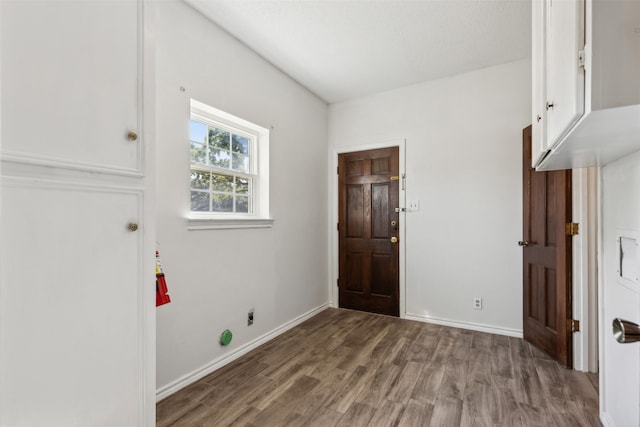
[{"x": 628, "y": 259}]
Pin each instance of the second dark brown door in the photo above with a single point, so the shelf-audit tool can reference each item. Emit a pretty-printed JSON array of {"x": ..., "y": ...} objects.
[
  {"x": 546, "y": 258},
  {"x": 368, "y": 230}
]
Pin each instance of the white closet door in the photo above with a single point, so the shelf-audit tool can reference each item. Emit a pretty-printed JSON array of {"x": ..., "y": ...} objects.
[
  {"x": 620, "y": 298},
  {"x": 71, "y": 325},
  {"x": 76, "y": 313}
]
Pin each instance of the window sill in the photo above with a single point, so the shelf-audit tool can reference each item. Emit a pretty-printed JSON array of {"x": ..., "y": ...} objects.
[{"x": 228, "y": 223}]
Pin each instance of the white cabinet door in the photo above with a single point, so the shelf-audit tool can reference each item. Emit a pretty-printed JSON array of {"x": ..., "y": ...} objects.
[
  {"x": 70, "y": 69},
  {"x": 564, "y": 76},
  {"x": 71, "y": 331},
  {"x": 539, "y": 116}
]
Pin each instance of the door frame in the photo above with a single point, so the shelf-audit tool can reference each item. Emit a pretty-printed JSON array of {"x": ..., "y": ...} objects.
[
  {"x": 334, "y": 254},
  {"x": 585, "y": 298}
]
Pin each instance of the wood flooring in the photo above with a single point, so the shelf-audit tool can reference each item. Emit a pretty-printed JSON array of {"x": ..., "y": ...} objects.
[{"x": 349, "y": 368}]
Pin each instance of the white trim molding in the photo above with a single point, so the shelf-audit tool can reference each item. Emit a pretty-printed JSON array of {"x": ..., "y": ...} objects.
[
  {"x": 584, "y": 282},
  {"x": 498, "y": 330},
  {"x": 228, "y": 224},
  {"x": 182, "y": 382},
  {"x": 51, "y": 162}
]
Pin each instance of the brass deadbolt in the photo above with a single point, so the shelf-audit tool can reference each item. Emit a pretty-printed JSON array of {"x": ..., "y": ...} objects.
[
  {"x": 132, "y": 226},
  {"x": 132, "y": 136}
]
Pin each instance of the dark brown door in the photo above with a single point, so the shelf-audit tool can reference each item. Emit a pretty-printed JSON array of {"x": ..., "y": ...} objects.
[
  {"x": 547, "y": 258},
  {"x": 368, "y": 230}
]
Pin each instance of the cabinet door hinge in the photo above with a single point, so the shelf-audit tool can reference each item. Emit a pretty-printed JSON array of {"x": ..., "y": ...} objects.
[
  {"x": 573, "y": 325},
  {"x": 572, "y": 229},
  {"x": 581, "y": 58}
]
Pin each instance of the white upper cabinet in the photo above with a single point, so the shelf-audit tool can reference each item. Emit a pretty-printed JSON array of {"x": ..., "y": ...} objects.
[
  {"x": 586, "y": 89},
  {"x": 538, "y": 76},
  {"x": 72, "y": 69},
  {"x": 564, "y": 100}
]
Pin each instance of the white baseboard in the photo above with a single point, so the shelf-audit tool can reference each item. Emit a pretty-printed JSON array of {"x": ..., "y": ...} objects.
[
  {"x": 605, "y": 420},
  {"x": 466, "y": 325},
  {"x": 167, "y": 390}
]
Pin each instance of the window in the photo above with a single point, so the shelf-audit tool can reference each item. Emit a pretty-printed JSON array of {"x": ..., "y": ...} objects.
[
  {"x": 222, "y": 171},
  {"x": 228, "y": 166}
]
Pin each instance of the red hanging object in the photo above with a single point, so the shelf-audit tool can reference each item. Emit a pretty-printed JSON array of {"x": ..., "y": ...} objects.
[{"x": 161, "y": 285}]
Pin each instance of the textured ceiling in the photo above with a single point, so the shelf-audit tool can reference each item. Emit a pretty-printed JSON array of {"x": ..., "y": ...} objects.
[{"x": 342, "y": 49}]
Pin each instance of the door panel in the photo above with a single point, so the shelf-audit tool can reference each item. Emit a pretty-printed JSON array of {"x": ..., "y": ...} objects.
[
  {"x": 369, "y": 275},
  {"x": 355, "y": 214},
  {"x": 70, "y": 305},
  {"x": 546, "y": 258},
  {"x": 381, "y": 275},
  {"x": 380, "y": 211}
]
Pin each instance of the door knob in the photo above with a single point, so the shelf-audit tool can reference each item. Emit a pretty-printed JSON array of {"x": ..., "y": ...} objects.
[
  {"x": 625, "y": 332},
  {"x": 394, "y": 239},
  {"x": 132, "y": 226},
  {"x": 523, "y": 243},
  {"x": 132, "y": 136}
]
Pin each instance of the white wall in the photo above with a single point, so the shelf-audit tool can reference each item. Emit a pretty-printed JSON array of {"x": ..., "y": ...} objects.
[
  {"x": 463, "y": 163},
  {"x": 620, "y": 370},
  {"x": 215, "y": 276}
]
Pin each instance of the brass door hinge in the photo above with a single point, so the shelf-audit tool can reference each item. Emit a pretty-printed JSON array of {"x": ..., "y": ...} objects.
[
  {"x": 573, "y": 325},
  {"x": 581, "y": 58},
  {"x": 572, "y": 228}
]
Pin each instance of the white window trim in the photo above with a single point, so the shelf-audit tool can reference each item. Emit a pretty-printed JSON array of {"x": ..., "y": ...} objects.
[
  {"x": 260, "y": 218},
  {"x": 228, "y": 223}
]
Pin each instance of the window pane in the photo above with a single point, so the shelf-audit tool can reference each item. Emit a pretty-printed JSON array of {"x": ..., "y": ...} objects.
[
  {"x": 222, "y": 203},
  {"x": 219, "y": 138},
  {"x": 242, "y": 185},
  {"x": 219, "y": 158},
  {"x": 242, "y": 204},
  {"x": 240, "y": 162},
  {"x": 199, "y": 201},
  {"x": 198, "y": 153},
  {"x": 240, "y": 144},
  {"x": 197, "y": 132},
  {"x": 200, "y": 180},
  {"x": 222, "y": 183}
]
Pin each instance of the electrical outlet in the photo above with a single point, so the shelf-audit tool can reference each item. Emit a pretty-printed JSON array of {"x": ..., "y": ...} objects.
[
  {"x": 250, "y": 318},
  {"x": 477, "y": 303},
  {"x": 414, "y": 205}
]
